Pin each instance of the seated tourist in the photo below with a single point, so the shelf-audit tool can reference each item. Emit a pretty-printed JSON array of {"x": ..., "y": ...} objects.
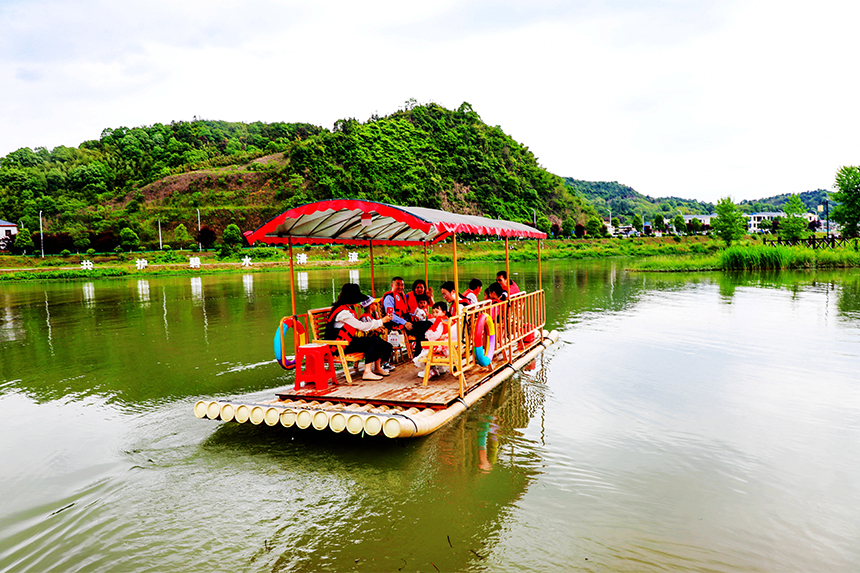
[
  {"x": 419, "y": 287},
  {"x": 456, "y": 302},
  {"x": 473, "y": 291},
  {"x": 437, "y": 331},
  {"x": 343, "y": 325}
]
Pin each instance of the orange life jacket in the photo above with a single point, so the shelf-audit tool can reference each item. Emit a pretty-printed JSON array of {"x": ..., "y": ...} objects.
[
  {"x": 436, "y": 325},
  {"x": 346, "y": 332},
  {"x": 475, "y": 292},
  {"x": 401, "y": 308}
]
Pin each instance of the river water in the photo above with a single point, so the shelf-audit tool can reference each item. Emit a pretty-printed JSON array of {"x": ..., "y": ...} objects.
[{"x": 684, "y": 422}]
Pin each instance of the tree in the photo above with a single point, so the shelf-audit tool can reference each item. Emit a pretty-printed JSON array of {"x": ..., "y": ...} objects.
[
  {"x": 206, "y": 237},
  {"x": 128, "y": 239},
  {"x": 847, "y": 212},
  {"x": 637, "y": 223},
  {"x": 729, "y": 224},
  {"x": 678, "y": 223},
  {"x": 23, "y": 240},
  {"x": 658, "y": 223},
  {"x": 181, "y": 236},
  {"x": 80, "y": 238},
  {"x": 793, "y": 227},
  {"x": 568, "y": 226},
  {"x": 232, "y": 237},
  {"x": 593, "y": 227},
  {"x": 694, "y": 226},
  {"x": 543, "y": 223},
  {"x": 765, "y": 225}
]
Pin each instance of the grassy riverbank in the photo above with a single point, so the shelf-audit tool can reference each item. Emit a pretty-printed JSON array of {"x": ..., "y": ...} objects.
[
  {"x": 267, "y": 259},
  {"x": 754, "y": 257},
  {"x": 659, "y": 253}
]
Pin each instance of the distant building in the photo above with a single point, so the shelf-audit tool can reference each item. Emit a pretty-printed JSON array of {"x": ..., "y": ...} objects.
[
  {"x": 703, "y": 219},
  {"x": 609, "y": 228},
  {"x": 755, "y": 219},
  {"x": 7, "y": 233}
]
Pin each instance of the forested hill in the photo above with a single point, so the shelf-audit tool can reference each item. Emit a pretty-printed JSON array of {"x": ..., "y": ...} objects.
[
  {"x": 626, "y": 203},
  {"x": 812, "y": 199},
  {"x": 421, "y": 155}
]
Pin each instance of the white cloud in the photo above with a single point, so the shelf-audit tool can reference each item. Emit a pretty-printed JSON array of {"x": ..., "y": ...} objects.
[{"x": 692, "y": 99}]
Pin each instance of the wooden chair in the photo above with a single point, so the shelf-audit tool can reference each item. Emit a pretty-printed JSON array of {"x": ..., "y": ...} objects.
[
  {"x": 453, "y": 359},
  {"x": 317, "y": 319}
]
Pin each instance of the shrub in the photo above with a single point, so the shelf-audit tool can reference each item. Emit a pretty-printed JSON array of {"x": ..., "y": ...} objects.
[
  {"x": 65, "y": 253},
  {"x": 91, "y": 252}
]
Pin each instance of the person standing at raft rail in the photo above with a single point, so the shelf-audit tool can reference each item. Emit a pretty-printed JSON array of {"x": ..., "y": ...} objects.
[
  {"x": 509, "y": 286},
  {"x": 343, "y": 325}
]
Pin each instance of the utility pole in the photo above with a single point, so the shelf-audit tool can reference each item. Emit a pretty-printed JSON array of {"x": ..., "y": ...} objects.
[
  {"x": 160, "y": 247},
  {"x": 199, "y": 244},
  {"x": 41, "y": 234}
]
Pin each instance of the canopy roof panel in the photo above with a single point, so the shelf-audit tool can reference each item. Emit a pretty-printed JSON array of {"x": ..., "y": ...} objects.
[{"x": 357, "y": 222}]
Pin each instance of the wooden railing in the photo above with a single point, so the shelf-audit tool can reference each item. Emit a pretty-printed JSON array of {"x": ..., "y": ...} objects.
[
  {"x": 518, "y": 325},
  {"x": 813, "y": 242}
]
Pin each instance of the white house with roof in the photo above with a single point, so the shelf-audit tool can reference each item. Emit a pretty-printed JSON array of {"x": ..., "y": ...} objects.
[
  {"x": 7, "y": 233},
  {"x": 703, "y": 219},
  {"x": 755, "y": 219}
]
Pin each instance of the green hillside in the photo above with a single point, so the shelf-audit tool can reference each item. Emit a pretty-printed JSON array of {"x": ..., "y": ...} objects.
[
  {"x": 423, "y": 155},
  {"x": 811, "y": 199},
  {"x": 627, "y": 203}
]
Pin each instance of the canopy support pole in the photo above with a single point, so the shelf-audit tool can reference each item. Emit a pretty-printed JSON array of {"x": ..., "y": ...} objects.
[
  {"x": 456, "y": 283},
  {"x": 508, "y": 267},
  {"x": 459, "y": 359},
  {"x": 292, "y": 276},
  {"x": 372, "y": 287},
  {"x": 426, "y": 276},
  {"x": 540, "y": 277}
]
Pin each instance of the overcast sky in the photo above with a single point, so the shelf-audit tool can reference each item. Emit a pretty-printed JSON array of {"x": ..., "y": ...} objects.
[{"x": 695, "y": 99}]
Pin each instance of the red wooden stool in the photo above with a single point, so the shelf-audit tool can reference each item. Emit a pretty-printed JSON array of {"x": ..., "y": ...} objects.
[{"x": 314, "y": 363}]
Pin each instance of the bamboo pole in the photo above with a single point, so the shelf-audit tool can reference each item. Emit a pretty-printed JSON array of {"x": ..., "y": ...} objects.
[
  {"x": 372, "y": 281},
  {"x": 456, "y": 284},
  {"x": 292, "y": 276},
  {"x": 540, "y": 276},
  {"x": 508, "y": 266},
  {"x": 507, "y": 307},
  {"x": 458, "y": 323}
]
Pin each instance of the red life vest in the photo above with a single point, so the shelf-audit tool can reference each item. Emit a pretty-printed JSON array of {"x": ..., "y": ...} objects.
[
  {"x": 436, "y": 325},
  {"x": 461, "y": 300},
  {"x": 401, "y": 308},
  {"x": 475, "y": 292},
  {"x": 346, "y": 332},
  {"x": 411, "y": 302}
]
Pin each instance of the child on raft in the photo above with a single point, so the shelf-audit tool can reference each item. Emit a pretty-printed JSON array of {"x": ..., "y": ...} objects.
[{"x": 438, "y": 331}]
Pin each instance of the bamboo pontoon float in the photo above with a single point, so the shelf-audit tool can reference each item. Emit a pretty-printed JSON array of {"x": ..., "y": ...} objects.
[{"x": 400, "y": 405}]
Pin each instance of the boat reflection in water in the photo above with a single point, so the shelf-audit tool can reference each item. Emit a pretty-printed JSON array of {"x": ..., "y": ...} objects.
[{"x": 454, "y": 490}]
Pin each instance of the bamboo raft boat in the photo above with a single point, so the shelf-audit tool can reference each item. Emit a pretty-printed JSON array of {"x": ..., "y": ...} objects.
[{"x": 400, "y": 405}]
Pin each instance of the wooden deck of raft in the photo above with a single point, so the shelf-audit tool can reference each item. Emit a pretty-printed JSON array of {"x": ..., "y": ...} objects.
[{"x": 402, "y": 388}]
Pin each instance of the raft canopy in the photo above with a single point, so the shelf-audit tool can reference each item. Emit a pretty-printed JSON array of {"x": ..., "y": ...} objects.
[{"x": 360, "y": 222}]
